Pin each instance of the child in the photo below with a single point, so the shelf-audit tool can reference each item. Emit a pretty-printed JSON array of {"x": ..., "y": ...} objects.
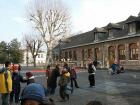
[
  {"x": 73, "y": 76},
  {"x": 63, "y": 83},
  {"x": 35, "y": 94},
  {"x": 5, "y": 83},
  {"x": 16, "y": 79},
  {"x": 30, "y": 78}
]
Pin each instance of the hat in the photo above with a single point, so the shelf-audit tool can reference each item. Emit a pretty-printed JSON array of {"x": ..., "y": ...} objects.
[
  {"x": 33, "y": 91},
  {"x": 29, "y": 74}
]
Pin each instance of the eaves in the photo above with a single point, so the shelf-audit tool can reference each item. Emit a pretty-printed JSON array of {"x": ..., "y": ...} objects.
[{"x": 107, "y": 40}]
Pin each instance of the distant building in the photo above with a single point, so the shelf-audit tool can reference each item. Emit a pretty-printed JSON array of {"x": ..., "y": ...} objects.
[
  {"x": 115, "y": 42},
  {"x": 40, "y": 59}
]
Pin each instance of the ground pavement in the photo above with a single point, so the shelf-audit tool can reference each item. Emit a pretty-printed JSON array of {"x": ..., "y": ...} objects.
[{"x": 119, "y": 89}]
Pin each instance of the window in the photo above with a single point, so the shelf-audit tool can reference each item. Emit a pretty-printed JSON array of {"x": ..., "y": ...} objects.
[
  {"x": 83, "y": 54},
  {"x": 74, "y": 55},
  {"x": 96, "y": 36},
  {"x": 70, "y": 54},
  {"x": 41, "y": 55},
  {"x": 38, "y": 55},
  {"x": 89, "y": 53},
  {"x": 97, "y": 53},
  {"x": 111, "y": 55},
  {"x": 133, "y": 51},
  {"x": 110, "y": 33},
  {"x": 66, "y": 55},
  {"x": 132, "y": 28},
  {"x": 121, "y": 52}
]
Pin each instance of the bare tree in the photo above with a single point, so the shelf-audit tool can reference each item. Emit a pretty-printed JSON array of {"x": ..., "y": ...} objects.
[
  {"x": 50, "y": 18},
  {"x": 33, "y": 44}
]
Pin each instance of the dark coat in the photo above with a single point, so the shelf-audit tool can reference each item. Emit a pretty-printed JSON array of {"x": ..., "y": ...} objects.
[
  {"x": 52, "y": 80},
  {"x": 73, "y": 74},
  {"x": 16, "y": 79}
]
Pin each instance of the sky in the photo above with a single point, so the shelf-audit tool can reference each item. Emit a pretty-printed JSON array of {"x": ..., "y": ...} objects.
[{"x": 85, "y": 15}]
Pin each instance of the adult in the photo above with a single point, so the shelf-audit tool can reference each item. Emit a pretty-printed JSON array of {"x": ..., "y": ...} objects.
[
  {"x": 52, "y": 81},
  {"x": 48, "y": 74},
  {"x": 5, "y": 82},
  {"x": 48, "y": 71},
  {"x": 91, "y": 71}
]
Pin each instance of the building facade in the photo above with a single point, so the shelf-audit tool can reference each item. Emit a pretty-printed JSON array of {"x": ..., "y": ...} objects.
[
  {"x": 116, "y": 42},
  {"x": 28, "y": 60}
]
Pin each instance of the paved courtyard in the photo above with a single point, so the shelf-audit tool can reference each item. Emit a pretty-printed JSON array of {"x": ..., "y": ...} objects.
[{"x": 119, "y": 89}]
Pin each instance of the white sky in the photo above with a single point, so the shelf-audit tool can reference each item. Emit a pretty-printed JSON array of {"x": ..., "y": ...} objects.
[{"x": 86, "y": 15}]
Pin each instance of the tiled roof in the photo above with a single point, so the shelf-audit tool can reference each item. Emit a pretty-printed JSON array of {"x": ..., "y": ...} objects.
[
  {"x": 96, "y": 29},
  {"x": 132, "y": 19},
  {"x": 88, "y": 37},
  {"x": 113, "y": 25},
  {"x": 83, "y": 38}
]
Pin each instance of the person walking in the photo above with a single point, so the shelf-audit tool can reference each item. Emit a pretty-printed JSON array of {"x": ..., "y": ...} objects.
[
  {"x": 5, "y": 83},
  {"x": 91, "y": 71},
  {"x": 52, "y": 80}
]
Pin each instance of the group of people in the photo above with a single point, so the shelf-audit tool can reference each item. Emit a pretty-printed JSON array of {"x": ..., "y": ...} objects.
[
  {"x": 32, "y": 94},
  {"x": 36, "y": 94},
  {"x": 67, "y": 78}
]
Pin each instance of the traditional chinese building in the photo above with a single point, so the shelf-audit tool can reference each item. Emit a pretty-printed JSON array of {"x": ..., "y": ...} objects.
[{"x": 114, "y": 42}]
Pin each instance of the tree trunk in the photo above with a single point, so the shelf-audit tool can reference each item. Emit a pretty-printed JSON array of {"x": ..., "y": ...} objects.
[
  {"x": 34, "y": 61},
  {"x": 49, "y": 60}
]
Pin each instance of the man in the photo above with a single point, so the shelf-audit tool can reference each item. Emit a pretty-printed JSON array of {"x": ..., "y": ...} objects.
[
  {"x": 5, "y": 83},
  {"x": 35, "y": 94},
  {"x": 91, "y": 71},
  {"x": 52, "y": 80}
]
